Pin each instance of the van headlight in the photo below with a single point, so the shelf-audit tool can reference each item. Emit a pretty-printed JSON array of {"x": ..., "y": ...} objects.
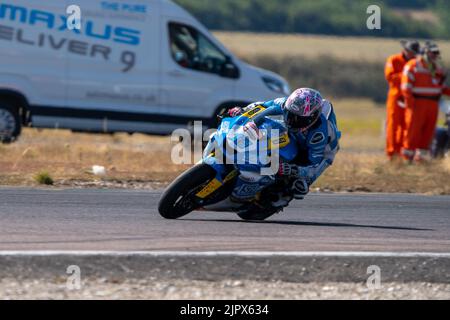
[{"x": 276, "y": 85}]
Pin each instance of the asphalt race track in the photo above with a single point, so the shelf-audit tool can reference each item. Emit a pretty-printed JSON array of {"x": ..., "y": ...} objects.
[{"x": 117, "y": 220}]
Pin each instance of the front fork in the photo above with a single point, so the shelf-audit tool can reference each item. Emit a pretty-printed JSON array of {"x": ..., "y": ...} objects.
[{"x": 224, "y": 174}]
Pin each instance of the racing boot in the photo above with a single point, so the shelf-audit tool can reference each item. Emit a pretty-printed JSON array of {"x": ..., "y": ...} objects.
[
  {"x": 300, "y": 189},
  {"x": 422, "y": 156},
  {"x": 282, "y": 201}
]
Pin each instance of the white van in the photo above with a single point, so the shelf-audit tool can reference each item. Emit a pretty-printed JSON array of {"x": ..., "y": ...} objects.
[{"x": 134, "y": 66}]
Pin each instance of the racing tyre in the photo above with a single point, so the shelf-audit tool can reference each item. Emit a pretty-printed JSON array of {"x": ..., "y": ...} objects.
[
  {"x": 10, "y": 124},
  {"x": 179, "y": 198},
  {"x": 257, "y": 214}
]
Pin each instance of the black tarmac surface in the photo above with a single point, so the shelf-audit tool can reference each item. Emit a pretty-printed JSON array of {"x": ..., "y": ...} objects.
[{"x": 128, "y": 221}]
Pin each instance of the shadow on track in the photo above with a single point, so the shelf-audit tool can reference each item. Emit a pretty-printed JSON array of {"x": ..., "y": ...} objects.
[{"x": 313, "y": 224}]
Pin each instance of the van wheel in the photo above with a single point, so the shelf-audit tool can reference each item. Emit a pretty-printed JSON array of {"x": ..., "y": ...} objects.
[{"x": 10, "y": 124}]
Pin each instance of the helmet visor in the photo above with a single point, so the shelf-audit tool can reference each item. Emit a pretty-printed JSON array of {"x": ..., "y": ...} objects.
[{"x": 298, "y": 122}]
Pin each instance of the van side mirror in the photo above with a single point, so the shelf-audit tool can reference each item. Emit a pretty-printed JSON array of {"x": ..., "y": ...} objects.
[{"x": 229, "y": 69}]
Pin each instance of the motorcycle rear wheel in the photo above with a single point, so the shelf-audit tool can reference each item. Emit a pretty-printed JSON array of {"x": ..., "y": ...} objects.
[{"x": 257, "y": 214}]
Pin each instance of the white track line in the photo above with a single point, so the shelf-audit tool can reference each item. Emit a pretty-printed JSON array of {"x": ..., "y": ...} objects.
[{"x": 262, "y": 254}]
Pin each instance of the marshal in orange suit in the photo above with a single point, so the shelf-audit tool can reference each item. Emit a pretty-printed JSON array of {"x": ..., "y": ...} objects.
[
  {"x": 395, "y": 124},
  {"x": 422, "y": 87}
]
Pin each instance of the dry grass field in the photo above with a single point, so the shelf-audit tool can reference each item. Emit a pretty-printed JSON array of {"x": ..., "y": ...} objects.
[
  {"x": 145, "y": 162},
  {"x": 361, "y": 164},
  {"x": 313, "y": 46},
  {"x": 66, "y": 159}
]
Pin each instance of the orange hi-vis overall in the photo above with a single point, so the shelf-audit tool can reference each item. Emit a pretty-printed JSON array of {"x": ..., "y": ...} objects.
[
  {"x": 422, "y": 90},
  {"x": 395, "y": 107}
]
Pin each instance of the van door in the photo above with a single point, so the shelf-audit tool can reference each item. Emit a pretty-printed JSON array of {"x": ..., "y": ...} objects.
[
  {"x": 32, "y": 53},
  {"x": 114, "y": 68},
  {"x": 192, "y": 64}
]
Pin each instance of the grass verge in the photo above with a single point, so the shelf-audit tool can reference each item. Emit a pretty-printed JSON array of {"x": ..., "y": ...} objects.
[
  {"x": 141, "y": 161},
  {"x": 44, "y": 177}
]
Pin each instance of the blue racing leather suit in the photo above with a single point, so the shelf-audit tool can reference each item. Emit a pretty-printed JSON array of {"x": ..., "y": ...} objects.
[{"x": 317, "y": 146}]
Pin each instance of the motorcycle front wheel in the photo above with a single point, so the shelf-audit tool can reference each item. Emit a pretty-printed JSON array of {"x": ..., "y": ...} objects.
[{"x": 179, "y": 198}]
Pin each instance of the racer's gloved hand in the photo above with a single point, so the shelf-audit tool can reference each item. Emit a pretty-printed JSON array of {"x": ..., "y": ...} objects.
[
  {"x": 234, "y": 112},
  {"x": 252, "y": 130},
  {"x": 288, "y": 170},
  {"x": 300, "y": 189}
]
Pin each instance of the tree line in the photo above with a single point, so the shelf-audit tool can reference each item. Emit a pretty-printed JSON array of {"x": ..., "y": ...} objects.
[{"x": 330, "y": 17}]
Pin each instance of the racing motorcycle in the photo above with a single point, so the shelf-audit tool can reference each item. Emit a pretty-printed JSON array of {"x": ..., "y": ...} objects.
[{"x": 209, "y": 184}]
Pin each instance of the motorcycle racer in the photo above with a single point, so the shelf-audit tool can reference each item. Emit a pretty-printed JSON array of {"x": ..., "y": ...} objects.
[{"x": 311, "y": 120}]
